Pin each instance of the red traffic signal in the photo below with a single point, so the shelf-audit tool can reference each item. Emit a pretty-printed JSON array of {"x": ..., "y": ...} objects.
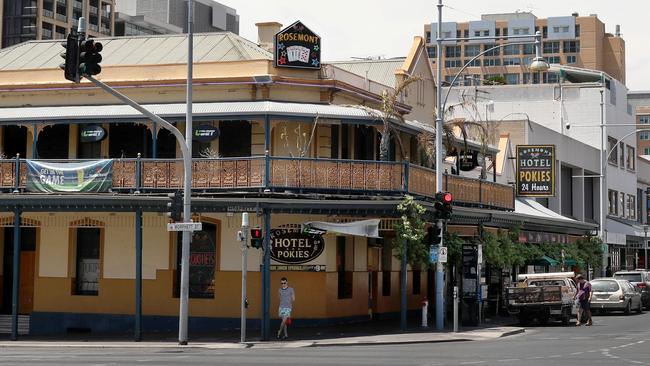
[
  {"x": 443, "y": 205},
  {"x": 447, "y": 198},
  {"x": 256, "y": 238}
]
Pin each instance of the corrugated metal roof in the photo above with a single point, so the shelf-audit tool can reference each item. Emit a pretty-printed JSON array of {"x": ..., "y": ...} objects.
[
  {"x": 381, "y": 71},
  {"x": 140, "y": 50},
  {"x": 177, "y": 110}
]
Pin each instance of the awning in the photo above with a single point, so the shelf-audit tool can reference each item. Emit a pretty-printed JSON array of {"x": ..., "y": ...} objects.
[
  {"x": 214, "y": 110},
  {"x": 545, "y": 261},
  {"x": 367, "y": 228},
  {"x": 618, "y": 231}
]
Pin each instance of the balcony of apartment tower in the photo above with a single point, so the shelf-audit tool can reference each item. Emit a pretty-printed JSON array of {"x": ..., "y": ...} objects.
[{"x": 48, "y": 9}]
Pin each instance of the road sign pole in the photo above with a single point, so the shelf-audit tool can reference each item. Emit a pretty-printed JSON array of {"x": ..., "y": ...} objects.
[{"x": 244, "y": 271}]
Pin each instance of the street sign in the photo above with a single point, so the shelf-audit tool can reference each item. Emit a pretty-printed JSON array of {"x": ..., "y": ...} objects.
[
  {"x": 184, "y": 226},
  {"x": 433, "y": 254},
  {"x": 442, "y": 255}
]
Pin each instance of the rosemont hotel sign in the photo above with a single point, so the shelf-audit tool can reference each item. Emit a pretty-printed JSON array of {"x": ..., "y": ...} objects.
[
  {"x": 296, "y": 46},
  {"x": 535, "y": 170}
]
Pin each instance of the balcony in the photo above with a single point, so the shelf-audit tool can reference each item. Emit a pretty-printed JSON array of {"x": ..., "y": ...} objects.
[
  {"x": 48, "y": 13},
  {"x": 296, "y": 175}
]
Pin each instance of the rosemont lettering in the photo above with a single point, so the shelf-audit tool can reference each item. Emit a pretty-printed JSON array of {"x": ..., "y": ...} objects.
[{"x": 283, "y": 37}]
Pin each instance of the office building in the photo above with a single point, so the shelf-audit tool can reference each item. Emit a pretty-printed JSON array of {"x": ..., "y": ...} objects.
[
  {"x": 26, "y": 20},
  {"x": 578, "y": 41},
  {"x": 146, "y": 17}
]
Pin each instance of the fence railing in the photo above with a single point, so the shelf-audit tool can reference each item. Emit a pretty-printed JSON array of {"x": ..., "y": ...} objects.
[{"x": 285, "y": 173}]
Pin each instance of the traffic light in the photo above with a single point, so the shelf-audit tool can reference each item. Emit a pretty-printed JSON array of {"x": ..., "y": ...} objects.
[
  {"x": 443, "y": 205},
  {"x": 434, "y": 233},
  {"x": 71, "y": 57},
  {"x": 90, "y": 57},
  {"x": 175, "y": 207},
  {"x": 256, "y": 238}
]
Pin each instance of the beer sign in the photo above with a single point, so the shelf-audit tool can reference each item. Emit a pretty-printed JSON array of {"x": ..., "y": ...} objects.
[
  {"x": 291, "y": 246},
  {"x": 535, "y": 170}
]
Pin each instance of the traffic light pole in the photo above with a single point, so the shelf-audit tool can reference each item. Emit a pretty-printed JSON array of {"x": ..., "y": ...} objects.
[
  {"x": 185, "y": 145},
  {"x": 244, "y": 272}
]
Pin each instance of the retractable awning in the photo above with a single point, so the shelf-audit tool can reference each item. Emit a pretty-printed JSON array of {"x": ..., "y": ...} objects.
[{"x": 366, "y": 228}]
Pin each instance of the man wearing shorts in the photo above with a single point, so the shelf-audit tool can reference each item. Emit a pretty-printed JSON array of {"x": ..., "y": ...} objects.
[
  {"x": 287, "y": 297},
  {"x": 584, "y": 299}
]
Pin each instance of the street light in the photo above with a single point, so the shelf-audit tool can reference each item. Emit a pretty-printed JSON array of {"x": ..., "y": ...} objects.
[{"x": 538, "y": 64}]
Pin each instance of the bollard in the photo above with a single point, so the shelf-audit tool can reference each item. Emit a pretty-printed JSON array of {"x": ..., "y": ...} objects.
[{"x": 425, "y": 312}]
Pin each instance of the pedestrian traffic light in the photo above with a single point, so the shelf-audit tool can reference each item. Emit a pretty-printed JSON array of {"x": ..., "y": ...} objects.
[
  {"x": 443, "y": 205},
  {"x": 71, "y": 57},
  {"x": 90, "y": 57},
  {"x": 175, "y": 206},
  {"x": 256, "y": 238}
]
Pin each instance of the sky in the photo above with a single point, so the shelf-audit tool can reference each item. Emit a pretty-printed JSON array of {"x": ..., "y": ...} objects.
[{"x": 363, "y": 28}]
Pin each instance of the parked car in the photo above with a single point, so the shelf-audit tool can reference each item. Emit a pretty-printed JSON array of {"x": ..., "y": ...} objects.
[
  {"x": 641, "y": 279},
  {"x": 615, "y": 294}
]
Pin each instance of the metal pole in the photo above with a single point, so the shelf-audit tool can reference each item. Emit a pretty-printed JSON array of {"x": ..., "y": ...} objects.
[
  {"x": 187, "y": 186},
  {"x": 403, "y": 283},
  {"x": 645, "y": 245},
  {"x": 244, "y": 272},
  {"x": 16, "y": 276},
  {"x": 266, "y": 281},
  {"x": 439, "y": 123},
  {"x": 138, "y": 274},
  {"x": 455, "y": 309},
  {"x": 603, "y": 184}
]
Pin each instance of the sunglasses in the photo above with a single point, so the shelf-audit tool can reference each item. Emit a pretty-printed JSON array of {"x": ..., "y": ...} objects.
[{"x": 283, "y": 283}]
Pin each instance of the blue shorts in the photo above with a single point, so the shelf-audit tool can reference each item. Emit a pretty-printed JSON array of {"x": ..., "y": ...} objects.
[
  {"x": 284, "y": 312},
  {"x": 584, "y": 304}
]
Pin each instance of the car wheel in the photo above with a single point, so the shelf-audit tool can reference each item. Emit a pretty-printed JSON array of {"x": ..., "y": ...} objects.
[{"x": 628, "y": 308}]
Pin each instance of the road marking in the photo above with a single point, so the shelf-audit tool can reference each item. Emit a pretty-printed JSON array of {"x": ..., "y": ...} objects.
[
  {"x": 471, "y": 362},
  {"x": 577, "y": 353},
  {"x": 555, "y": 356},
  {"x": 509, "y": 360}
]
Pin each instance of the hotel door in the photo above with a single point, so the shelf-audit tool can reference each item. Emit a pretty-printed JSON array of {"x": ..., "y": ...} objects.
[{"x": 27, "y": 269}]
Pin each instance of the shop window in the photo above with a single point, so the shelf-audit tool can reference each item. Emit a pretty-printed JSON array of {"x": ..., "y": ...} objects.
[
  {"x": 234, "y": 139},
  {"x": 344, "y": 267},
  {"x": 203, "y": 262},
  {"x": 87, "y": 268},
  {"x": 165, "y": 145},
  {"x": 386, "y": 267},
  {"x": 417, "y": 283}
]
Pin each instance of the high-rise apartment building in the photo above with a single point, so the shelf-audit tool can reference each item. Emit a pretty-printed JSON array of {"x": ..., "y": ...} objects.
[
  {"x": 139, "y": 17},
  {"x": 25, "y": 20},
  {"x": 574, "y": 40}
]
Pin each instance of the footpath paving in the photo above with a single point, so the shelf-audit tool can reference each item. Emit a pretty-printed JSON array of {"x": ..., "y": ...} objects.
[{"x": 375, "y": 333}]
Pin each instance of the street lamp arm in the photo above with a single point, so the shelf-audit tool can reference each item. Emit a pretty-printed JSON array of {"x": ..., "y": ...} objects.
[
  {"x": 453, "y": 81},
  {"x": 609, "y": 153}
]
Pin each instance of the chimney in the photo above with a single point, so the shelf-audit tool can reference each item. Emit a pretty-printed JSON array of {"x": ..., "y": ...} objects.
[
  {"x": 266, "y": 34},
  {"x": 618, "y": 30},
  {"x": 575, "y": 14}
]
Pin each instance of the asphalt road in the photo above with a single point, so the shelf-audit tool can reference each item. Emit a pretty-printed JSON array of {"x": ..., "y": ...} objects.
[{"x": 613, "y": 340}]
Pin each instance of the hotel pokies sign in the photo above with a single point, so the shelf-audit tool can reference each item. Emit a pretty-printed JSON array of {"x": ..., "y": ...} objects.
[
  {"x": 291, "y": 246},
  {"x": 535, "y": 170},
  {"x": 298, "y": 47}
]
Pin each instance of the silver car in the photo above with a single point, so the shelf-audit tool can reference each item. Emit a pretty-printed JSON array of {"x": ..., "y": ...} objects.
[{"x": 615, "y": 294}]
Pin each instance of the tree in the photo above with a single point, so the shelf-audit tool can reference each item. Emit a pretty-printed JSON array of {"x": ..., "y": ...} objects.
[{"x": 410, "y": 231}]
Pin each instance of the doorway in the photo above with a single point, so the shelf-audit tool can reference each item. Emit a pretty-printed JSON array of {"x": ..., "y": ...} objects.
[{"x": 27, "y": 270}]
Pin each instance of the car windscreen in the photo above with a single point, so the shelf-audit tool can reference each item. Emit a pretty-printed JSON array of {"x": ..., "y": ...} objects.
[
  {"x": 632, "y": 277},
  {"x": 604, "y": 286}
]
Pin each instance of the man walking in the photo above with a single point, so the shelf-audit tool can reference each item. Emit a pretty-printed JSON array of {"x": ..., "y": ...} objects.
[
  {"x": 287, "y": 297},
  {"x": 584, "y": 300}
]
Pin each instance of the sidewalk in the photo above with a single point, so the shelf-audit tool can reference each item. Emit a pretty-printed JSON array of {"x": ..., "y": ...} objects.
[{"x": 371, "y": 333}]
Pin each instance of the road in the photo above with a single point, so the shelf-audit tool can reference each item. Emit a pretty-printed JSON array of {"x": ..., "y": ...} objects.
[{"x": 613, "y": 340}]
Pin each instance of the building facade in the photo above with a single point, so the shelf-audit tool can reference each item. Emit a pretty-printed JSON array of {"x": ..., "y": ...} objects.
[
  {"x": 26, "y": 20},
  {"x": 640, "y": 101},
  {"x": 146, "y": 17},
  {"x": 579, "y": 41}
]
